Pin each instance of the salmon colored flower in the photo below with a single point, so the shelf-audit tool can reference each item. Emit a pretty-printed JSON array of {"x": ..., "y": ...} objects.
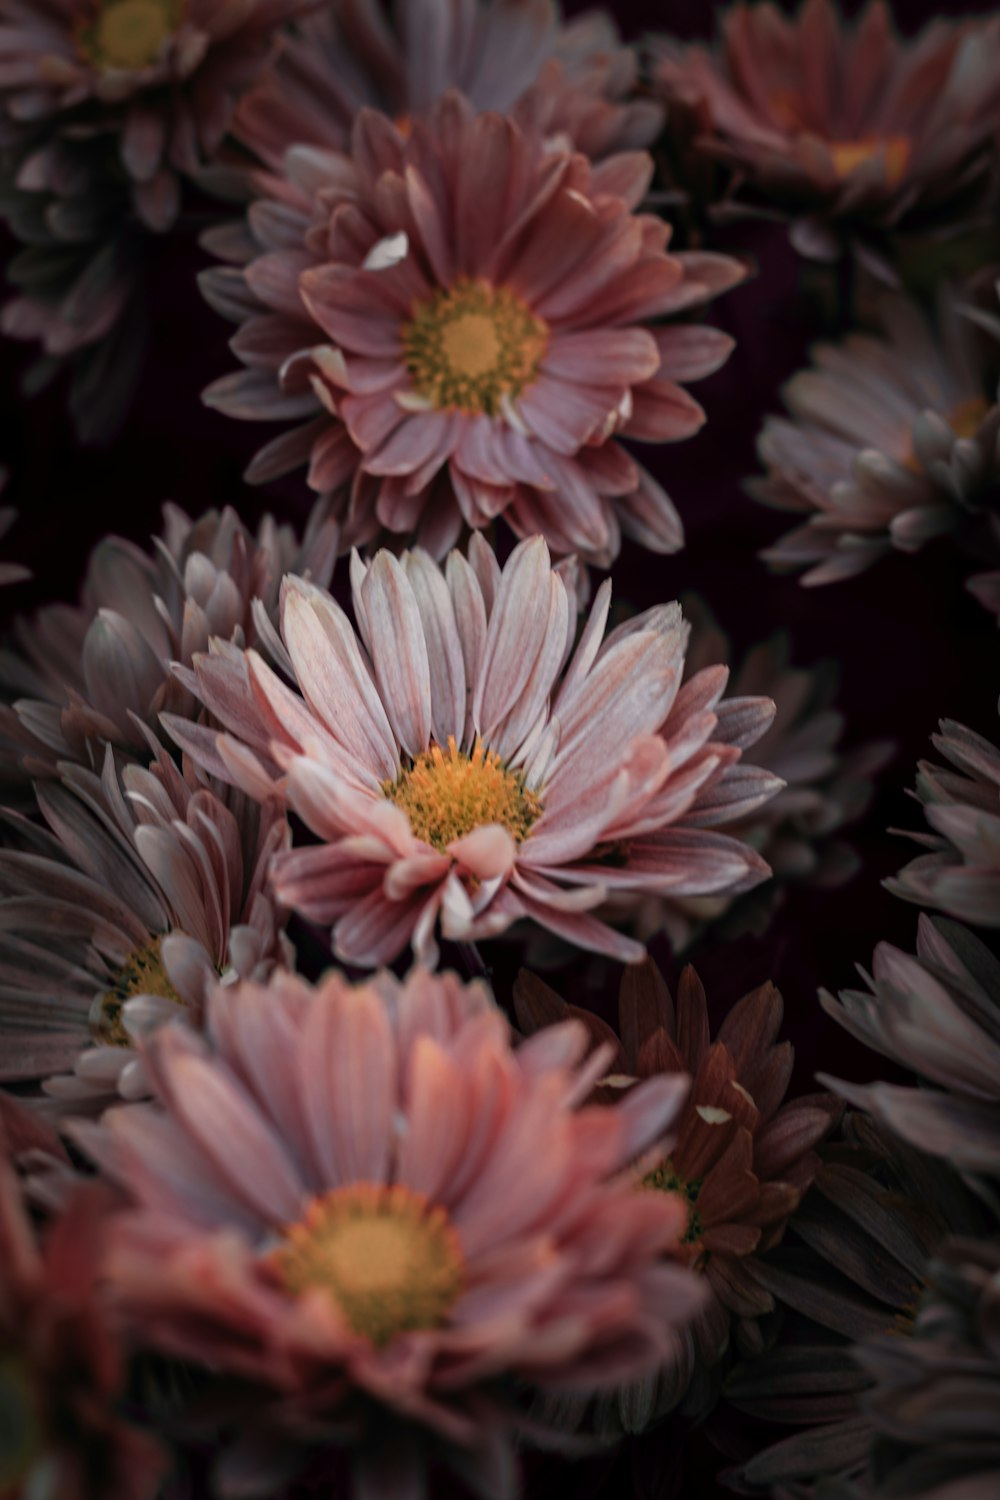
[
  {"x": 462, "y": 765},
  {"x": 459, "y": 356},
  {"x": 342, "y": 1202}
]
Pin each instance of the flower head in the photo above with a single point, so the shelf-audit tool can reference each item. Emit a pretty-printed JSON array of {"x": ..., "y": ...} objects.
[
  {"x": 961, "y": 873},
  {"x": 852, "y": 133},
  {"x": 342, "y": 1202},
  {"x": 459, "y": 357},
  {"x": 119, "y": 918},
  {"x": 741, "y": 1160},
  {"x": 892, "y": 441},
  {"x": 572, "y": 82},
  {"x": 461, "y": 763},
  {"x": 83, "y": 676}
]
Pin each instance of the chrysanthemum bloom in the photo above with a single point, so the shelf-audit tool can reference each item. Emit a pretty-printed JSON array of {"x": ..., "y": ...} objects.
[
  {"x": 935, "y": 1401},
  {"x": 572, "y": 81},
  {"x": 937, "y": 1014},
  {"x": 852, "y": 1268},
  {"x": 363, "y": 1203},
  {"x": 99, "y": 672},
  {"x": 461, "y": 763},
  {"x": 892, "y": 441},
  {"x": 961, "y": 874},
  {"x": 738, "y": 1167},
  {"x": 161, "y": 76},
  {"x": 61, "y": 1367},
  {"x": 800, "y": 830},
  {"x": 121, "y": 915},
  {"x": 852, "y": 133},
  {"x": 460, "y": 357}
]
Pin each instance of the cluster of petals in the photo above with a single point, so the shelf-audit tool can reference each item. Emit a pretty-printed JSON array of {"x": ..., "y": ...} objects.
[
  {"x": 571, "y": 81},
  {"x": 891, "y": 441},
  {"x": 78, "y": 677},
  {"x": 412, "y": 1087},
  {"x": 161, "y": 76},
  {"x": 627, "y": 770},
  {"x": 63, "y": 1367},
  {"x": 741, "y": 1160},
  {"x": 852, "y": 132},
  {"x": 341, "y": 253},
  {"x": 937, "y": 1014},
  {"x": 118, "y": 916},
  {"x": 960, "y": 874}
]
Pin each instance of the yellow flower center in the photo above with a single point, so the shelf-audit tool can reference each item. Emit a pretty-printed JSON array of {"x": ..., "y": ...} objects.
[
  {"x": 965, "y": 420},
  {"x": 468, "y": 347},
  {"x": 665, "y": 1179},
  {"x": 390, "y": 1261},
  {"x": 446, "y": 794},
  {"x": 128, "y": 34},
  {"x": 848, "y": 155},
  {"x": 142, "y": 973}
]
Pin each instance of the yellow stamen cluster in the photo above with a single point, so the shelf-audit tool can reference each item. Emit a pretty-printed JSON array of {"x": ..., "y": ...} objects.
[
  {"x": 468, "y": 347},
  {"x": 849, "y": 155},
  {"x": 142, "y": 973},
  {"x": 389, "y": 1259},
  {"x": 664, "y": 1179},
  {"x": 446, "y": 794},
  {"x": 128, "y": 34}
]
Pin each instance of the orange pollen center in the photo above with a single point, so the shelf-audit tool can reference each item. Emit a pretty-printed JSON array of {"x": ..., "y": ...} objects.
[
  {"x": 895, "y": 150},
  {"x": 389, "y": 1259},
  {"x": 471, "y": 346},
  {"x": 128, "y": 34},
  {"x": 447, "y": 793},
  {"x": 142, "y": 973}
]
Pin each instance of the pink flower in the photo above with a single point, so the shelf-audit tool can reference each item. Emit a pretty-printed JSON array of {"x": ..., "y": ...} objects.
[
  {"x": 343, "y": 1203},
  {"x": 461, "y": 763},
  {"x": 460, "y": 356}
]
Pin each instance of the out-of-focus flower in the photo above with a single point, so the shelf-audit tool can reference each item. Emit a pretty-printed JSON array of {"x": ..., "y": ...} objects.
[
  {"x": 572, "y": 82},
  {"x": 853, "y": 1267},
  {"x": 9, "y": 572},
  {"x": 739, "y": 1165},
  {"x": 826, "y": 787},
  {"x": 935, "y": 1399},
  {"x": 120, "y": 916},
  {"x": 61, "y": 1367},
  {"x": 80, "y": 676},
  {"x": 461, "y": 763},
  {"x": 457, "y": 356},
  {"x": 938, "y": 1015},
  {"x": 159, "y": 77},
  {"x": 892, "y": 440},
  {"x": 961, "y": 874},
  {"x": 344, "y": 1203},
  {"x": 853, "y": 134}
]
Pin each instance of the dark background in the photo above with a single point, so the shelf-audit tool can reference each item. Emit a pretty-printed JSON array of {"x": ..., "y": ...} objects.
[{"x": 912, "y": 645}]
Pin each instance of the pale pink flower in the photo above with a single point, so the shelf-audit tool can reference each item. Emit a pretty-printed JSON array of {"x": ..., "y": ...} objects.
[
  {"x": 458, "y": 355},
  {"x": 571, "y": 81},
  {"x": 342, "y": 1202},
  {"x": 462, "y": 764},
  {"x": 118, "y": 916}
]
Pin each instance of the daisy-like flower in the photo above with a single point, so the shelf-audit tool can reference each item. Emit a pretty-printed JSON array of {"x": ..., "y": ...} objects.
[
  {"x": 82, "y": 676},
  {"x": 739, "y": 1165},
  {"x": 853, "y": 1267},
  {"x": 161, "y": 77},
  {"x": 61, "y": 1369},
  {"x": 571, "y": 81},
  {"x": 460, "y": 762},
  {"x": 120, "y": 916},
  {"x": 892, "y": 441},
  {"x": 458, "y": 357},
  {"x": 935, "y": 1400},
  {"x": 343, "y": 1202},
  {"x": 854, "y": 134},
  {"x": 961, "y": 873},
  {"x": 799, "y": 831},
  {"x": 937, "y": 1014}
]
